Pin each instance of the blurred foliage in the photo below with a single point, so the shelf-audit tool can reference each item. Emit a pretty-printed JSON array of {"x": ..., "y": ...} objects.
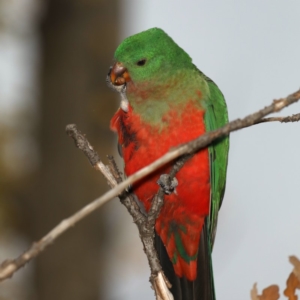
[
  {"x": 18, "y": 160},
  {"x": 292, "y": 284},
  {"x": 6, "y": 179}
]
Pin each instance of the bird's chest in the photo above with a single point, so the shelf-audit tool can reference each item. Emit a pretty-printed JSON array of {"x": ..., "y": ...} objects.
[{"x": 142, "y": 144}]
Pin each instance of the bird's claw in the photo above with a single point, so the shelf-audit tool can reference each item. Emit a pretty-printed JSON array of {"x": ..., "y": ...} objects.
[{"x": 167, "y": 184}]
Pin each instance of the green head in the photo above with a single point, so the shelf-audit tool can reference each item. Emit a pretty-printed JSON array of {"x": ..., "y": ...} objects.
[
  {"x": 150, "y": 55},
  {"x": 159, "y": 74}
]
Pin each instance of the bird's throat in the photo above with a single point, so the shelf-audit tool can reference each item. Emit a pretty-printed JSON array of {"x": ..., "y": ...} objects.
[{"x": 152, "y": 102}]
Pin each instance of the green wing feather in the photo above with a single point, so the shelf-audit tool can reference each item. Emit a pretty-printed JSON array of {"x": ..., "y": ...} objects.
[{"x": 216, "y": 116}]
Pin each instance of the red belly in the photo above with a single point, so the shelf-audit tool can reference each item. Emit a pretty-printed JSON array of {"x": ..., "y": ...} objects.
[{"x": 141, "y": 145}]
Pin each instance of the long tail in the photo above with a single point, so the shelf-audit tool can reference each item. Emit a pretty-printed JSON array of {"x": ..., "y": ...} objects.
[{"x": 182, "y": 289}]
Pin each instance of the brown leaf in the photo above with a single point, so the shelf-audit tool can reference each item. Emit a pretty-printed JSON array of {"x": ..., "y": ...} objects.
[
  {"x": 270, "y": 293},
  {"x": 296, "y": 263},
  {"x": 291, "y": 284},
  {"x": 254, "y": 292}
]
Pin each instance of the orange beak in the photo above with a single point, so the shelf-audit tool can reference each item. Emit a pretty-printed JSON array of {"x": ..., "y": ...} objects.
[{"x": 119, "y": 74}]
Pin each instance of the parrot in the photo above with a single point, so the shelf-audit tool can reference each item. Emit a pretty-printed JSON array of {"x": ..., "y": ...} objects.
[{"x": 165, "y": 102}]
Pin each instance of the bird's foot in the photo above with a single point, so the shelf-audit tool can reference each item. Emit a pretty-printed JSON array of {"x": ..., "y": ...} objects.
[{"x": 167, "y": 184}]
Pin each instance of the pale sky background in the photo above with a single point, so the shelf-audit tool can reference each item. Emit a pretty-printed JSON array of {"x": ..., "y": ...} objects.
[{"x": 251, "y": 49}]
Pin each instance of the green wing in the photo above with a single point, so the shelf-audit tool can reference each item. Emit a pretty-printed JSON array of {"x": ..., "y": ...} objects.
[{"x": 216, "y": 116}]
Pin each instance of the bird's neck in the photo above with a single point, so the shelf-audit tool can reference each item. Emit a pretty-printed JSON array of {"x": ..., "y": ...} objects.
[{"x": 152, "y": 100}]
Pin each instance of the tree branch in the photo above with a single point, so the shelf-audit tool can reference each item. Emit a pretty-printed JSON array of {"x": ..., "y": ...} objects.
[
  {"x": 9, "y": 267},
  {"x": 145, "y": 223},
  {"x": 293, "y": 118}
]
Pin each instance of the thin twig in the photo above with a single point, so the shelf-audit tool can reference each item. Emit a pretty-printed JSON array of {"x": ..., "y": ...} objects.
[
  {"x": 9, "y": 267},
  {"x": 292, "y": 118},
  {"x": 83, "y": 144}
]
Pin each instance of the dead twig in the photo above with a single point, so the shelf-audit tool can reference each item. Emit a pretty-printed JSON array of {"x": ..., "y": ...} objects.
[
  {"x": 292, "y": 118},
  {"x": 145, "y": 223}
]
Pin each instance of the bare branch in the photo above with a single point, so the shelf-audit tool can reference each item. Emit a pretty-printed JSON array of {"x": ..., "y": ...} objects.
[
  {"x": 9, "y": 267},
  {"x": 145, "y": 223},
  {"x": 292, "y": 118},
  {"x": 83, "y": 144}
]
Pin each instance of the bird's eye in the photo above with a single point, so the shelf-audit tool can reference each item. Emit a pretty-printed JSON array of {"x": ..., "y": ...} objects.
[{"x": 141, "y": 62}]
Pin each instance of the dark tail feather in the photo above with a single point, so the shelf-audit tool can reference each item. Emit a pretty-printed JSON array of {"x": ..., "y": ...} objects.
[{"x": 182, "y": 289}]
